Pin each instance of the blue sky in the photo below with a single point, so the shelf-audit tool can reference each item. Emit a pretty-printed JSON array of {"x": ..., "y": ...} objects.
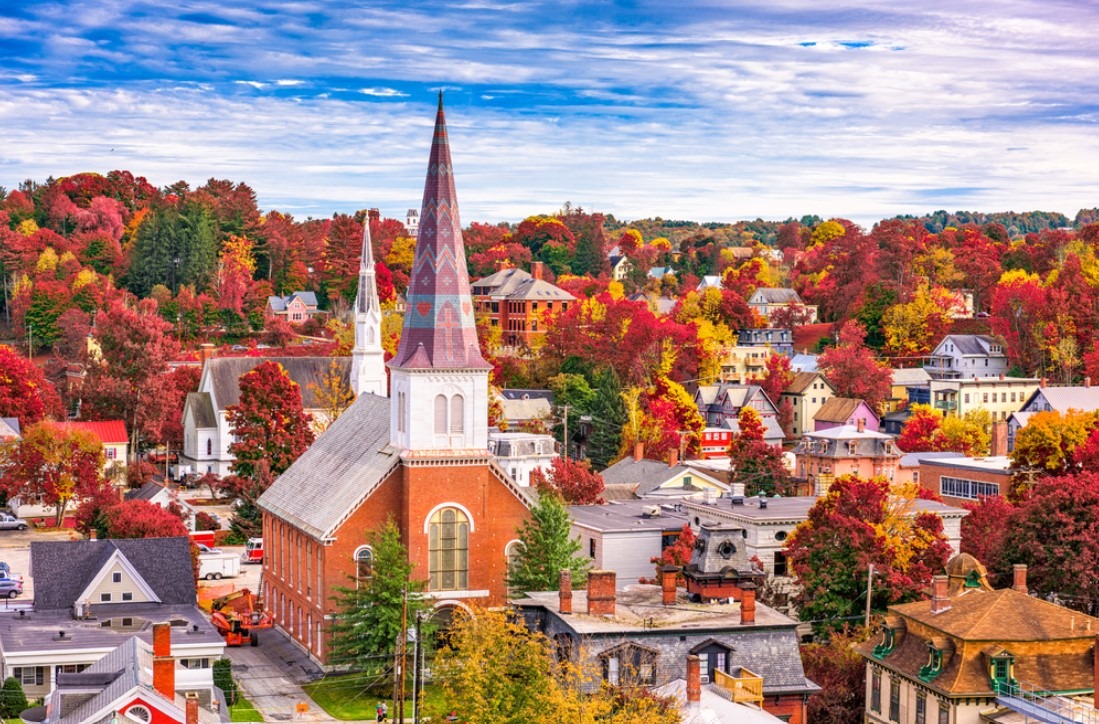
[{"x": 688, "y": 110}]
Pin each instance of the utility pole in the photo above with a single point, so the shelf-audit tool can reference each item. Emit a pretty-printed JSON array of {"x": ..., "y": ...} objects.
[
  {"x": 417, "y": 669},
  {"x": 869, "y": 592},
  {"x": 566, "y": 438},
  {"x": 401, "y": 653}
]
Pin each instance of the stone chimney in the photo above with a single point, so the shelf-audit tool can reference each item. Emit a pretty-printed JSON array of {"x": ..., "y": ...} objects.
[
  {"x": 997, "y": 446},
  {"x": 747, "y": 604},
  {"x": 601, "y": 593},
  {"x": 862, "y": 424},
  {"x": 638, "y": 451},
  {"x": 694, "y": 680},
  {"x": 192, "y": 707},
  {"x": 164, "y": 666},
  {"x": 1019, "y": 582},
  {"x": 564, "y": 592},
  {"x": 940, "y": 601},
  {"x": 673, "y": 457},
  {"x": 205, "y": 352},
  {"x": 537, "y": 269},
  {"x": 667, "y": 585}
]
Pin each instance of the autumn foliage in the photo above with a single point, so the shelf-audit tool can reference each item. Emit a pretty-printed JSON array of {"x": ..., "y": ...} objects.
[
  {"x": 573, "y": 480},
  {"x": 268, "y": 424},
  {"x": 25, "y": 394}
]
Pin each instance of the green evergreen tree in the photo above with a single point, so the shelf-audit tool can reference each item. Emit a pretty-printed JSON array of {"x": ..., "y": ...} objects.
[
  {"x": 608, "y": 413},
  {"x": 198, "y": 252},
  {"x": 368, "y": 619},
  {"x": 152, "y": 259},
  {"x": 13, "y": 700},
  {"x": 546, "y": 548}
]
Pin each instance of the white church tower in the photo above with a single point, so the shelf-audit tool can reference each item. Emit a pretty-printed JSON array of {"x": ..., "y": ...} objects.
[
  {"x": 439, "y": 392},
  {"x": 367, "y": 358}
]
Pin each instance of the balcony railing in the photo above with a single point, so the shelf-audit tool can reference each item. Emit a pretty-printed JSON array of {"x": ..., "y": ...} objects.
[
  {"x": 946, "y": 404},
  {"x": 741, "y": 687}
]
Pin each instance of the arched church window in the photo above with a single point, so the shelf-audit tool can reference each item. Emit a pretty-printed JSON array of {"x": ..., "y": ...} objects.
[
  {"x": 457, "y": 414},
  {"x": 364, "y": 563},
  {"x": 440, "y": 415},
  {"x": 209, "y": 446},
  {"x": 448, "y": 550}
]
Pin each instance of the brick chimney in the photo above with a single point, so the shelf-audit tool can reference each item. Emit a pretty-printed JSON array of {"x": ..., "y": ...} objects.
[
  {"x": 192, "y": 707},
  {"x": 1095, "y": 666},
  {"x": 694, "y": 680},
  {"x": 536, "y": 269},
  {"x": 601, "y": 594},
  {"x": 997, "y": 446},
  {"x": 673, "y": 457},
  {"x": 940, "y": 601},
  {"x": 93, "y": 534},
  {"x": 205, "y": 352},
  {"x": 1019, "y": 582},
  {"x": 564, "y": 592},
  {"x": 667, "y": 585},
  {"x": 1087, "y": 382},
  {"x": 862, "y": 424},
  {"x": 164, "y": 666},
  {"x": 638, "y": 451},
  {"x": 747, "y": 604},
  {"x": 1042, "y": 382}
]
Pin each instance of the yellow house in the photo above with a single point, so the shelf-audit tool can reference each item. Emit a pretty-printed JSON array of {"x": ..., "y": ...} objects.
[{"x": 807, "y": 394}]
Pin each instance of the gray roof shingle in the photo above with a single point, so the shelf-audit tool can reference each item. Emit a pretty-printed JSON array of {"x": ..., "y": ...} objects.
[
  {"x": 63, "y": 569},
  {"x": 307, "y": 372},
  {"x": 202, "y": 408}
]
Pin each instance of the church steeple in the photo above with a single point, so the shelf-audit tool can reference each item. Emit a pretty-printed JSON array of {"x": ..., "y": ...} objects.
[
  {"x": 439, "y": 377},
  {"x": 367, "y": 357}
]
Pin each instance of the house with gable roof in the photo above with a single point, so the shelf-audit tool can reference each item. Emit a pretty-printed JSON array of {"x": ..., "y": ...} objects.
[
  {"x": 1083, "y": 398},
  {"x": 824, "y": 455},
  {"x": 974, "y": 654},
  {"x": 839, "y": 411},
  {"x": 419, "y": 457},
  {"x": 967, "y": 355},
  {"x": 91, "y": 596},
  {"x": 639, "y": 477},
  {"x": 206, "y": 436},
  {"x": 766, "y": 300},
  {"x": 137, "y": 682},
  {"x": 294, "y": 308},
  {"x": 9, "y": 429},
  {"x": 720, "y": 406},
  {"x": 807, "y": 393}
]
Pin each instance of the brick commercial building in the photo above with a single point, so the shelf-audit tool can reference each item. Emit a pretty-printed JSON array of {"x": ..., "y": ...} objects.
[
  {"x": 419, "y": 457},
  {"x": 520, "y": 303}
]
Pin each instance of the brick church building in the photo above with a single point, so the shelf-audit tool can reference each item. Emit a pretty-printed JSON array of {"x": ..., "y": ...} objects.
[{"x": 419, "y": 455}]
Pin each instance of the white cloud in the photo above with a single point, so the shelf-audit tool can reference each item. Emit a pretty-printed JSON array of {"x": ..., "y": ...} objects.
[{"x": 383, "y": 92}]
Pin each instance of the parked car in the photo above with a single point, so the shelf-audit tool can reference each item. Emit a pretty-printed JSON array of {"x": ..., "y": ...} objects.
[
  {"x": 203, "y": 548},
  {"x": 5, "y": 572},
  {"x": 10, "y": 587},
  {"x": 10, "y": 522}
]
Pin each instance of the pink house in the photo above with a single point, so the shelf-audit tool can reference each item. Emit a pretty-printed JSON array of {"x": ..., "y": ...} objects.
[
  {"x": 840, "y": 411},
  {"x": 825, "y": 455}
]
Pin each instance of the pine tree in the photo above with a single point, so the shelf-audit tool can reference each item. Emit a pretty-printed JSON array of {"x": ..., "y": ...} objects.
[
  {"x": 547, "y": 548},
  {"x": 368, "y": 623},
  {"x": 608, "y": 414}
]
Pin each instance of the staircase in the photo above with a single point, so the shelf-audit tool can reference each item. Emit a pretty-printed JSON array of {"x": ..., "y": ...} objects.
[{"x": 1041, "y": 706}]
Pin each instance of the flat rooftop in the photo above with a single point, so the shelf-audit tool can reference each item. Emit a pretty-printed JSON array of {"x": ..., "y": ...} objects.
[
  {"x": 997, "y": 464},
  {"x": 39, "y": 630},
  {"x": 627, "y": 515}
]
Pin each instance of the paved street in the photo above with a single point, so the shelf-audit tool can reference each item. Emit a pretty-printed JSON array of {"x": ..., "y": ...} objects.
[{"x": 271, "y": 675}]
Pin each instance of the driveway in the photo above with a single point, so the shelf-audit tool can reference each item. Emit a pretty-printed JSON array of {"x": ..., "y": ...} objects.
[{"x": 271, "y": 676}]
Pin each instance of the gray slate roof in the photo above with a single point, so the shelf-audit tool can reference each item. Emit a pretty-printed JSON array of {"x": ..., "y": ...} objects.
[
  {"x": 148, "y": 491},
  {"x": 331, "y": 478},
  {"x": 13, "y": 423},
  {"x": 1063, "y": 399},
  {"x": 225, "y": 375},
  {"x": 63, "y": 569},
  {"x": 772, "y": 295},
  {"x": 974, "y": 344},
  {"x": 646, "y": 475},
  {"x": 202, "y": 407},
  {"x": 279, "y": 304}
]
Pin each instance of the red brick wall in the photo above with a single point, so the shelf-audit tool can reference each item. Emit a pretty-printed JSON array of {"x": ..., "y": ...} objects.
[
  {"x": 930, "y": 479},
  {"x": 496, "y": 514},
  {"x": 791, "y": 706}
]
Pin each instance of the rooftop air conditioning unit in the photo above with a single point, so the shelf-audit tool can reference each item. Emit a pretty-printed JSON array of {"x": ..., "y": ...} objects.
[{"x": 650, "y": 511}]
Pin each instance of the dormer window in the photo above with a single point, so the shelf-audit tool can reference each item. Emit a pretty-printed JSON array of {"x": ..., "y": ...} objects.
[
  {"x": 888, "y": 641},
  {"x": 1001, "y": 672},
  {"x": 934, "y": 665}
]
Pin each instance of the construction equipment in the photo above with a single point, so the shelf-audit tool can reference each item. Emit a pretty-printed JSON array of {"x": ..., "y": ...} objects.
[{"x": 238, "y": 616}]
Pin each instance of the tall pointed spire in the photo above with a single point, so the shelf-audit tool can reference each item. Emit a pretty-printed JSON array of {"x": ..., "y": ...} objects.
[
  {"x": 367, "y": 357},
  {"x": 439, "y": 329},
  {"x": 439, "y": 379}
]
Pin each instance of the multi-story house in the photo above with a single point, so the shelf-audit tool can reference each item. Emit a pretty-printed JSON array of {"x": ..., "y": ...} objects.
[
  {"x": 519, "y": 303},
  {"x": 720, "y": 405},
  {"x": 1083, "y": 398},
  {"x": 778, "y": 340},
  {"x": 823, "y": 456},
  {"x": 1000, "y": 395},
  {"x": 840, "y": 411},
  {"x": 972, "y": 655},
  {"x": 766, "y": 300},
  {"x": 521, "y": 453},
  {"x": 295, "y": 308},
  {"x": 807, "y": 393},
  {"x": 967, "y": 355}
]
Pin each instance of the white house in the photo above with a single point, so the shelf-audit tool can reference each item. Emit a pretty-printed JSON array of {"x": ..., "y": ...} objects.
[
  {"x": 521, "y": 453},
  {"x": 967, "y": 355},
  {"x": 1083, "y": 398},
  {"x": 766, "y": 300}
]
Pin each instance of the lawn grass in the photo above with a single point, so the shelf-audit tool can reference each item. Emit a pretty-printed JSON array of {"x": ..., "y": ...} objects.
[
  {"x": 244, "y": 711},
  {"x": 343, "y": 697}
]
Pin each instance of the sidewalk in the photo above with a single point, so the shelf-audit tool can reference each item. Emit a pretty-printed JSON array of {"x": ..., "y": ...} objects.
[{"x": 271, "y": 675}]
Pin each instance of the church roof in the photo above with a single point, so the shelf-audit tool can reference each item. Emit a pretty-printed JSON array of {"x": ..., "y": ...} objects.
[
  {"x": 345, "y": 464},
  {"x": 367, "y": 298},
  {"x": 439, "y": 329},
  {"x": 224, "y": 376}
]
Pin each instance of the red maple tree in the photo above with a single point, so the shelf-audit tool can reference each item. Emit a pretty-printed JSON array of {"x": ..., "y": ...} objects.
[
  {"x": 142, "y": 519},
  {"x": 25, "y": 393},
  {"x": 984, "y": 528},
  {"x": 573, "y": 480},
  {"x": 852, "y": 370},
  {"x": 268, "y": 424}
]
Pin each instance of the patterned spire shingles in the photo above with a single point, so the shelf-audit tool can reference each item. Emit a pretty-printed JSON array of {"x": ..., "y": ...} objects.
[{"x": 439, "y": 330}]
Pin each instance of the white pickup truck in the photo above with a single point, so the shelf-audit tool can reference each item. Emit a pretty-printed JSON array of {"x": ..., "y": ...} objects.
[
  {"x": 215, "y": 566},
  {"x": 10, "y": 522}
]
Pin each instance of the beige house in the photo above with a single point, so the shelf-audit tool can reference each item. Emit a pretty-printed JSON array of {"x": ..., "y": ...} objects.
[
  {"x": 1001, "y": 395},
  {"x": 807, "y": 394}
]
